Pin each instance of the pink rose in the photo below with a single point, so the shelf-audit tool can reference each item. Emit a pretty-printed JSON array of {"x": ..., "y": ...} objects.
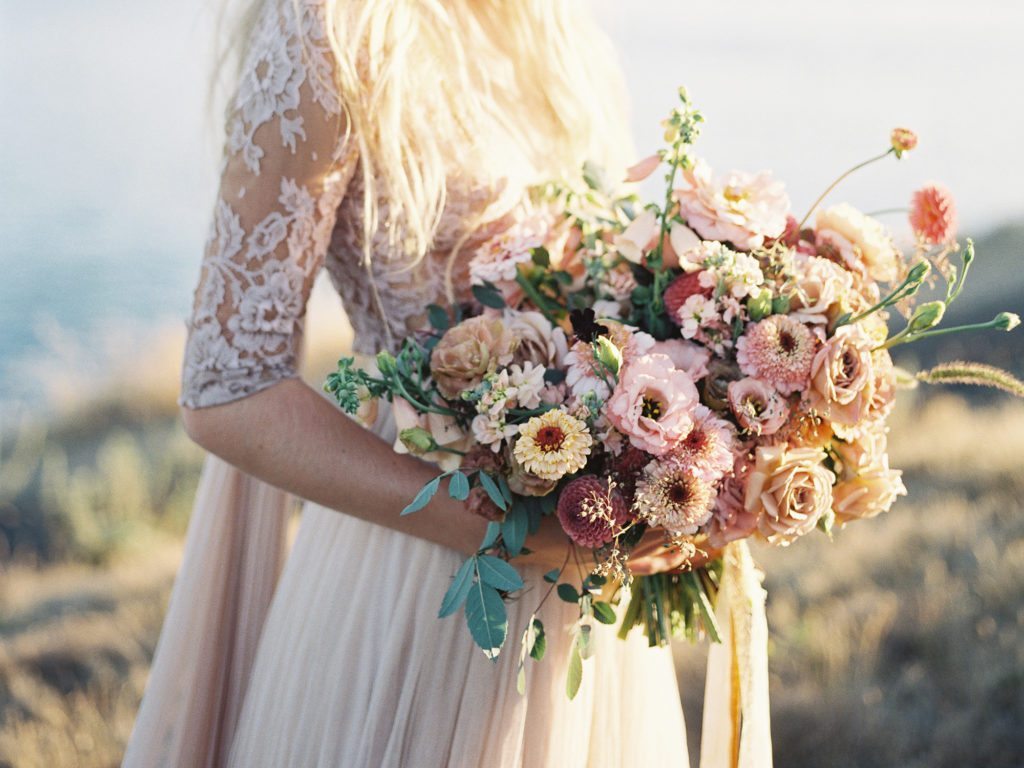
[
  {"x": 842, "y": 377},
  {"x": 730, "y": 519},
  {"x": 757, "y": 406},
  {"x": 653, "y": 403}
]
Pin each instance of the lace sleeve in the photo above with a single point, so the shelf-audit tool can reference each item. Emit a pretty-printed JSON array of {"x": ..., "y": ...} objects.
[{"x": 284, "y": 175}]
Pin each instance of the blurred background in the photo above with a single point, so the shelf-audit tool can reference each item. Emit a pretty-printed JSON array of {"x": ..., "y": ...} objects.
[{"x": 897, "y": 644}]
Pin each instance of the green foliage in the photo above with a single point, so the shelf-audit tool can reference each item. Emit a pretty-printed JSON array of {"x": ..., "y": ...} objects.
[
  {"x": 486, "y": 618},
  {"x": 495, "y": 572}
]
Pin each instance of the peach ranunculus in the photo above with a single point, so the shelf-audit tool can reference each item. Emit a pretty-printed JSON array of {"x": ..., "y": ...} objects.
[
  {"x": 741, "y": 208},
  {"x": 758, "y": 407},
  {"x": 443, "y": 429},
  {"x": 822, "y": 290},
  {"x": 686, "y": 356},
  {"x": 843, "y": 377},
  {"x": 653, "y": 403},
  {"x": 469, "y": 351},
  {"x": 860, "y": 241},
  {"x": 789, "y": 490}
]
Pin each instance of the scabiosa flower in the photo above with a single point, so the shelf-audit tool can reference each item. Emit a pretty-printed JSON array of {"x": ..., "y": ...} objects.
[
  {"x": 553, "y": 445},
  {"x": 778, "y": 350},
  {"x": 673, "y": 495},
  {"x": 933, "y": 214},
  {"x": 591, "y": 511},
  {"x": 708, "y": 446},
  {"x": 758, "y": 408}
]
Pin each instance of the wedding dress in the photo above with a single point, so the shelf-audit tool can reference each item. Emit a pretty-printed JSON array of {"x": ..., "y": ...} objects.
[{"x": 332, "y": 654}]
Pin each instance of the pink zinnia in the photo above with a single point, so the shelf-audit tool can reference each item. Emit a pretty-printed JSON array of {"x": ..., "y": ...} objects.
[
  {"x": 778, "y": 350},
  {"x": 591, "y": 511},
  {"x": 933, "y": 214},
  {"x": 709, "y": 445}
]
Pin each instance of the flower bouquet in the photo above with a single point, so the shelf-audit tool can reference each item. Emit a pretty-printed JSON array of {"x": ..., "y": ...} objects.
[{"x": 707, "y": 368}]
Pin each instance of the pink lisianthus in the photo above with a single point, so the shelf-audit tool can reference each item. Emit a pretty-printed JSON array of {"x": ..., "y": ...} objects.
[
  {"x": 653, "y": 403},
  {"x": 686, "y": 356},
  {"x": 758, "y": 407},
  {"x": 740, "y": 208},
  {"x": 933, "y": 215},
  {"x": 591, "y": 511}
]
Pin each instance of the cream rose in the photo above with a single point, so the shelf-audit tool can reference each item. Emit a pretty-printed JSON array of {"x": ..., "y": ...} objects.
[
  {"x": 789, "y": 490},
  {"x": 869, "y": 493},
  {"x": 822, "y": 290},
  {"x": 468, "y": 352},
  {"x": 843, "y": 377},
  {"x": 535, "y": 338}
]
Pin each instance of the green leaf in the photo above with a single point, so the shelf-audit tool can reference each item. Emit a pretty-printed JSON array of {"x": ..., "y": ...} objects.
[
  {"x": 459, "y": 589},
  {"x": 594, "y": 581},
  {"x": 575, "y": 674},
  {"x": 438, "y": 317},
  {"x": 513, "y": 529},
  {"x": 495, "y": 572},
  {"x": 552, "y": 576},
  {"x": 541, "y": 257},
  {"x": 423, "y": 497},
  {"x": 489, "y": 296},
  {"x": 491, "y": 536},
  {"x": 458, "y": 486},
  {"x": 584, "y": 641},
  {"x": 505, "y": 490},
  {"x": 604, "y": 613},
  {"x": 493, "y": 491},
  {"x": 486, "y": 618},
  {"x": 540, "y": 641},
  {"x": 568, "y": 593}
]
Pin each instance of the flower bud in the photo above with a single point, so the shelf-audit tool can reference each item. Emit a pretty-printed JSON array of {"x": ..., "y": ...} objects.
[
  {"x": 760, "y": 306},
  {"x": 386, "y": 363},
  {"x": 608, "y": 354},
  {"x": 926, "y": 316},
  {"x": 903, "y": 140},
  {"x": 918, "y": 273},
  {"x": 1006, "y": 321},
  {"x": 780, "y": 305},
  {"x": 417, "y": 441}
]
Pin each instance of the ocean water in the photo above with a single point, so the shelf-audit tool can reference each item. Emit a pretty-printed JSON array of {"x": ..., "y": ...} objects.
[{"x": 108, "y": 155}]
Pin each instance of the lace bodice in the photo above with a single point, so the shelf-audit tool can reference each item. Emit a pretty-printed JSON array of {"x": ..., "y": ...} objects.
[{"x": 290, "y": 203}]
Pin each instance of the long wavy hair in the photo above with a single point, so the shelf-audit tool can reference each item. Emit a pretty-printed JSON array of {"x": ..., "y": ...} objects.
[{"x": 520, "y": 90}]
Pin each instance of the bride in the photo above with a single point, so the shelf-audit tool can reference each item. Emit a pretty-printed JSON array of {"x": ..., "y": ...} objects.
[{"x": 380, "y": 140}]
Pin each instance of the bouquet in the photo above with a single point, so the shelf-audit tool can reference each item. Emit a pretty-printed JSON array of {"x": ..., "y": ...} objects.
[{"x": 704, "y": 369}]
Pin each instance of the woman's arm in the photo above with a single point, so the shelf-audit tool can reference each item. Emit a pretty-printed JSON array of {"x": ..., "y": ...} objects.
[{"x": 291, "y": 437}]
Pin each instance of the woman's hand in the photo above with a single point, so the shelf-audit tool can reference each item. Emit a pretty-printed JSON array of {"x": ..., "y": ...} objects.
[{"x": 652, "y": 556}]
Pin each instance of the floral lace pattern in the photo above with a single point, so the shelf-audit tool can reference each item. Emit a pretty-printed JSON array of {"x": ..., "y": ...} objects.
[{"x": 291, "y": 202}]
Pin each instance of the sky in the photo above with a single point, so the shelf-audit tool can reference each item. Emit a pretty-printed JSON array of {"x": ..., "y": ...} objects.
[{"x": 108, "y": 156}]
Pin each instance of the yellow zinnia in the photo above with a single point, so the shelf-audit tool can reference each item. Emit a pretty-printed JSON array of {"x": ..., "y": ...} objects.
[{"x": 553, "y": 445}]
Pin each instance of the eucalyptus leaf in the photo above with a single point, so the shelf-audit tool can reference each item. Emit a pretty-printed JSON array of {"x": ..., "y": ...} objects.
[
  {"x": 423, "y": 497},
  {"x": 493, "y": 492},
  {"x": 552, "y": 576},
  {"x": 575, "y": 674},
  {"x": 495, "y": 572},
  {"x": 459, "y": 589},
  {"x": 458, "y": 486},
  {"x": 540, "y": 641},
  {"x": 438, "y": 317},
  {"x": 491, "y": 535},
  {"x": 486, "y": 618},
  {"x": 489, "y": 296},
  {"x": 568, "y": 593},
  {"x": 514, "y": 529},
  {"x": 604, "y": 612}
]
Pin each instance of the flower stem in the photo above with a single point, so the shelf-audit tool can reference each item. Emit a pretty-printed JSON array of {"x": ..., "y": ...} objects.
[
  {"x": 836, "y": 183},
  {"x": 903, "y": 337}
]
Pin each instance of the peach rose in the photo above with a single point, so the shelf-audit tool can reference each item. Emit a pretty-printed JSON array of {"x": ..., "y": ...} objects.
[
  {"x": 789, "y": 490},
  {"x": 535, "y": 338},
  {"x": 653, "y": 403},
  {"x": 870, "y": 492},
  {"x": 469, "y": 351},
  {"x": 842, "y": 377},
  {"x": 822, "y": 288}
]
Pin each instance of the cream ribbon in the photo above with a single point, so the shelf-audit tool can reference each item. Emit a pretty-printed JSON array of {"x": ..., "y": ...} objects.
[{"x": 737, "y": 727}]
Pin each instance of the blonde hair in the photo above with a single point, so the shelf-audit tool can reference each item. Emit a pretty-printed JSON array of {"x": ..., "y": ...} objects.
[{"x": 525, "y": 90}]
